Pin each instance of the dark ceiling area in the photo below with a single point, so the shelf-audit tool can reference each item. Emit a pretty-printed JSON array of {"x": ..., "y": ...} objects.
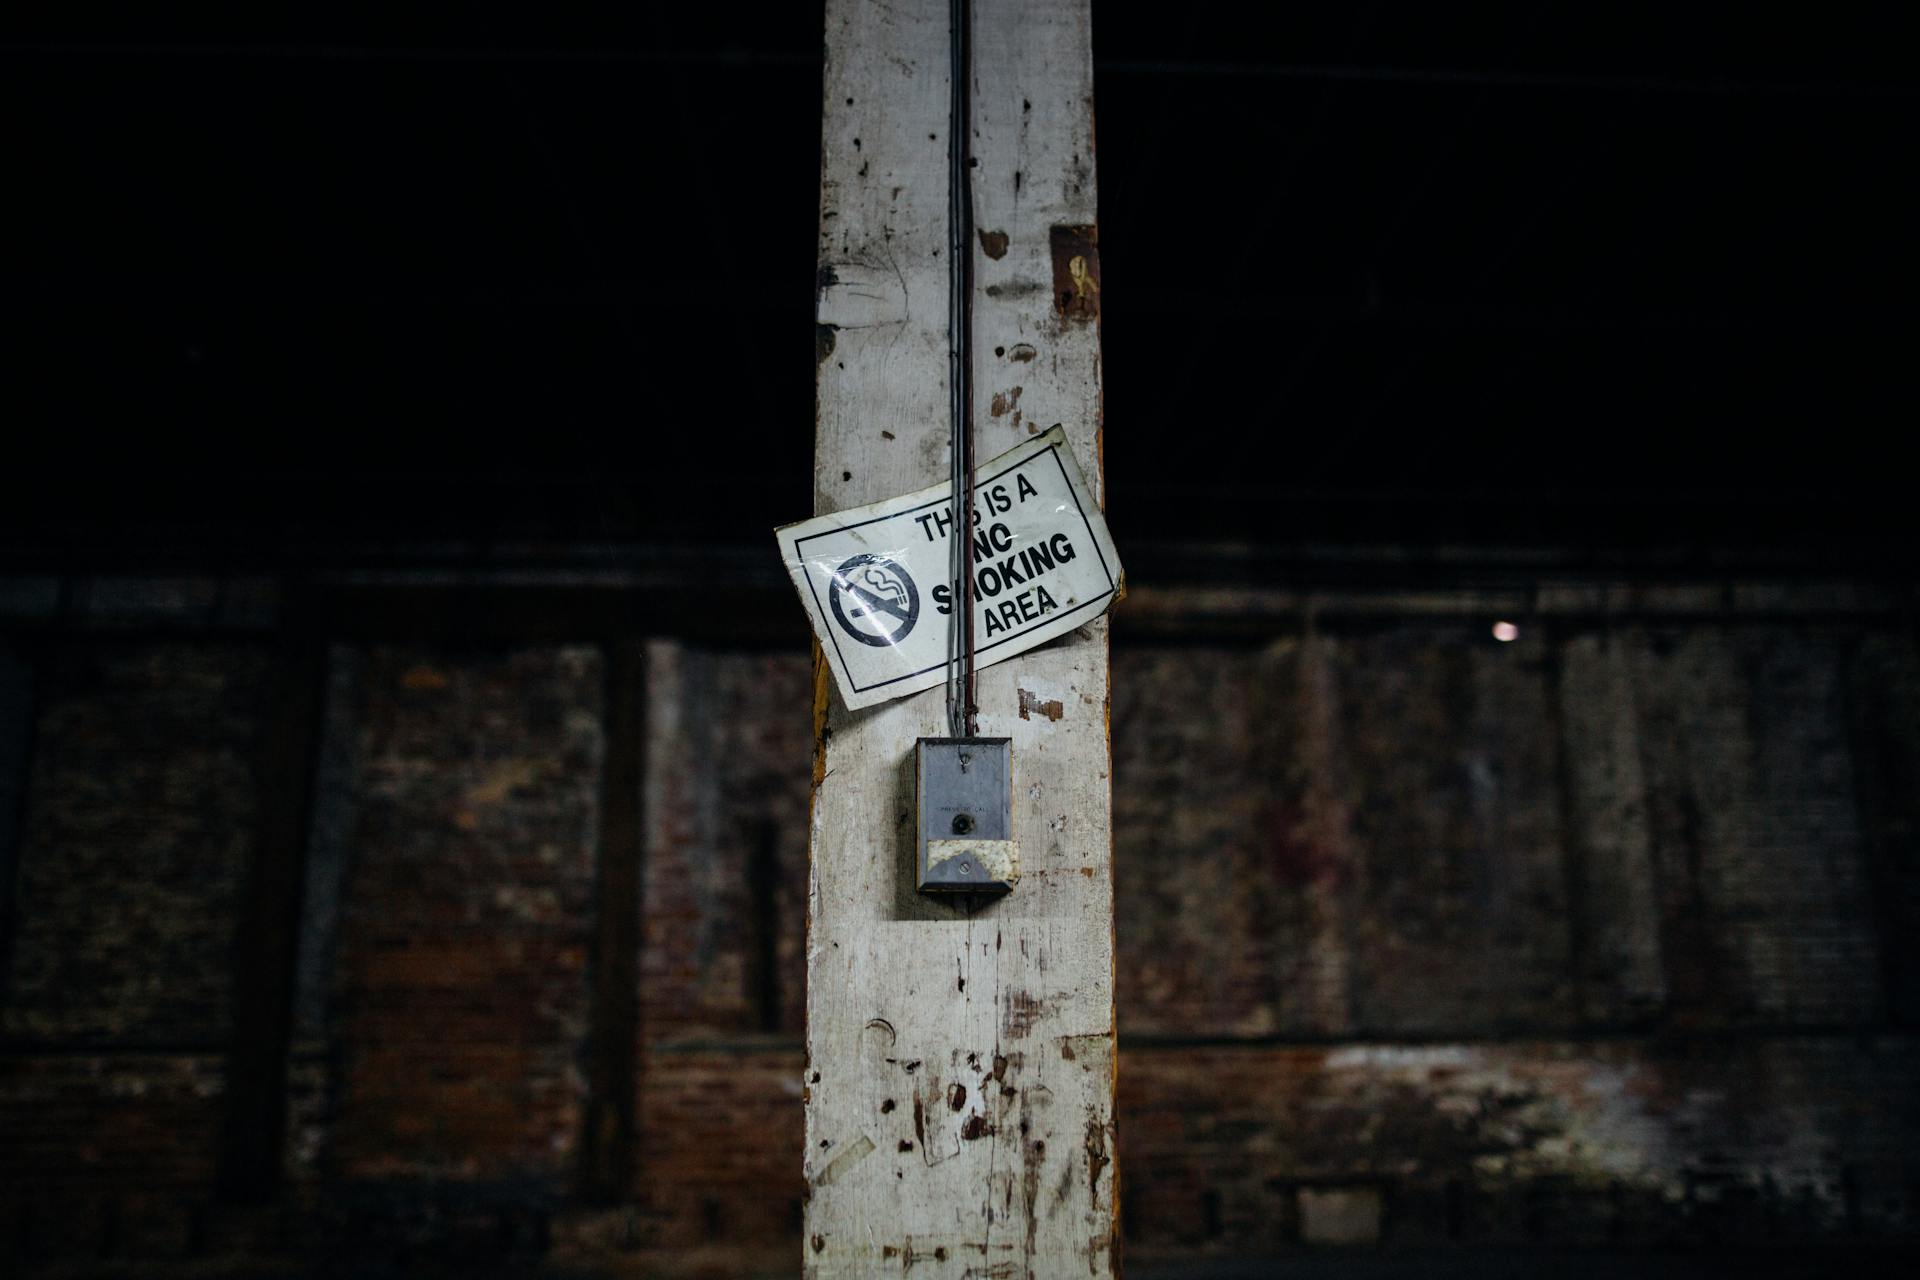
[{"x": 1632, "y": 286}]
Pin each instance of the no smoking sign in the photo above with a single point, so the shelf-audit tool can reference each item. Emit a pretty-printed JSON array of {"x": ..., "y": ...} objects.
[
  {"x": 874, "y": 580},
  {"x": 874, "y": 600}
]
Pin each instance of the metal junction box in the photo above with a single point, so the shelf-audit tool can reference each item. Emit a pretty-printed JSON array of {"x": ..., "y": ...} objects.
[{"x": 964, "y": 806}]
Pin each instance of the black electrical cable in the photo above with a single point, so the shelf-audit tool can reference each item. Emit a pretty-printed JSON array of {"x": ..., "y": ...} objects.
[{"x": 962, "y": 703}]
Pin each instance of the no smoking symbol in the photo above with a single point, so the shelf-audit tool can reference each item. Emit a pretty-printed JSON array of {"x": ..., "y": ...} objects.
[{"x": 874, "y": 600}]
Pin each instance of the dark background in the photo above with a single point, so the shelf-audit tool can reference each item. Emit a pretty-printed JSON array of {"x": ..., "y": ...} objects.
[
  {"x": 1633, "y": 282},
  {"x": 404, "y": 748}
]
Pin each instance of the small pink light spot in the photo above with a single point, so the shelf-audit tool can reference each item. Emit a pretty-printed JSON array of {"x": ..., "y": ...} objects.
[{"x": 1505, "y": 632}]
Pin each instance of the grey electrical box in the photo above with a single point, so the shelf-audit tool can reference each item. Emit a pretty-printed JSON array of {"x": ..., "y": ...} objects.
[{"x": 964, "y": 803}]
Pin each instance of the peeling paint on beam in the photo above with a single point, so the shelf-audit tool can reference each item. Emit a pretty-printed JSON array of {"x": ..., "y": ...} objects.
[
  {"x": 1076, "y": 271},
  {"x": 940, "y": 1030}
]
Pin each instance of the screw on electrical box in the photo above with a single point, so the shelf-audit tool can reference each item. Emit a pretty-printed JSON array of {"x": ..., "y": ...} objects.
[{"x": 964, "y": 789}]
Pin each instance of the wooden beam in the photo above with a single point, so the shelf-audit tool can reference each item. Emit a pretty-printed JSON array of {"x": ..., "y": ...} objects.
[
  {"x": 959, "y": 1087},
  {"x": 17, "y": 715},
  {"x": 607, "y": 1146},
  {"x": 254, "y": 1137}
]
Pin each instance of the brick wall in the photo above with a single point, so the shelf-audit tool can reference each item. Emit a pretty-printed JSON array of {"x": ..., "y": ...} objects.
[
  {"x": 138, "y": 824},
  {"x": 719, "y": 1125},
  {"x": 458, "y": 975},
  {"x": 1601, "y": 937},
  {"x": 134, "y": 839},
  {"x": 108, "y": 1154},
  {"x": 1419, "y": 832},
  {"x": 729, "y": 754},
  {"x": 1624, "y": 1142}
]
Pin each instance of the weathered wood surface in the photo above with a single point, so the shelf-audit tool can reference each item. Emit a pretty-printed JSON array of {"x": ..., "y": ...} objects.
[{"x": 960, "y": 1065}]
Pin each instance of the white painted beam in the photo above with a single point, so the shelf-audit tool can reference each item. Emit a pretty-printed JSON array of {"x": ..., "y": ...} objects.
[{"x": 960, "y": 1064}]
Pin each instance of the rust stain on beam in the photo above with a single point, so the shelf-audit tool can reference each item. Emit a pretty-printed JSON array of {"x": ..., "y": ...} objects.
[
  {"x": 1097, "y": 1157},
  {"x": 607, "y": 1143},
  {"x": 1030, "y": 703},
  {"x": 822, "y": 697},
  {"x": 1076, "y": 271}
]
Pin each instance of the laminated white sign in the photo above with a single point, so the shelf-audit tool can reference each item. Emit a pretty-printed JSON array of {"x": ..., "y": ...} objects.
[{"x": 874, "y": 579}]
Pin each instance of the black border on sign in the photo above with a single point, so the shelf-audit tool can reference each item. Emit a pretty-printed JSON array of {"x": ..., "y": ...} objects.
[{"x": 1072, "y": 491}]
